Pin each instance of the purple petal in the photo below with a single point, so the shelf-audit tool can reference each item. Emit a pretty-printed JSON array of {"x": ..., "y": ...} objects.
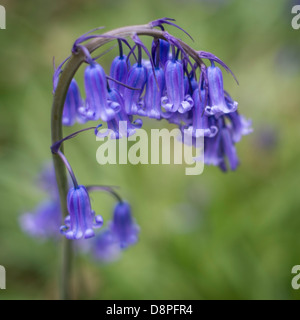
[
  {"x": 136, "y": 78},
  {"x": 96, "y": 94},
  {"x": 123, "y": 226}
]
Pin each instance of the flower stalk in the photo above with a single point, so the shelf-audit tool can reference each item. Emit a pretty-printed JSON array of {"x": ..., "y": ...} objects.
[
  {"x": 70, "y": 68},
  {"x": 178, "y": 98}
]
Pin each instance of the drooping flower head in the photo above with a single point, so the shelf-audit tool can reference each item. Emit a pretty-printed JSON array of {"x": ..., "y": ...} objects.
[
  {"x": 137, "y": 78},
  {"x": 123, "y": 226},
  {"x": 96, "y": 94},
  {"x": 154, "y": 91},
  {"x": 218, "y": 105},
  {"x": 122, "y": 125},
  {"x": 176, "y": 100},
  {"x": 220, "y": 147},
  {"x": 172, "y": 83},
  {"x": 119, "y": 70},
  {"x": 239, "y": 125},
  {"x": 44, "y": 222},
  {"x": 82, "y": 220},
  {"x": 201, "y": 126},
  {"x": 73, "y": 105}
]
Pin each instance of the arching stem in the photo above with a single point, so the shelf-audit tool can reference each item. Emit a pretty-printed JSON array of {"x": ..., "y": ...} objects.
[{"x": 65, "y": 79}]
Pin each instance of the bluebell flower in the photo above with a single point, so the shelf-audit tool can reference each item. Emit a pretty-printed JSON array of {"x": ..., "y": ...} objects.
[
  {"x": 123, "y": 226},
  {"x": 217, "y": 104},
  {"x": 175, "y": 100},
  {"x": 82, "y": 220},
  {"x": 119, "y": 72},
  {"x": 220, "y": 147},
  {"x": 164, "y": 51},
  {"x": 73, "y": 105},
  {"x": 96, "y": 94},
  {"x": 201, "y": 126},
  {"x": 239, "y": 125},
  {"x": 44, "y": 222},
  {"x": 137, "y": 78},
  {"x": 154, "y": 91},
  {"x": 121, "y": 125},
  {"x": 105, "y": 247}
]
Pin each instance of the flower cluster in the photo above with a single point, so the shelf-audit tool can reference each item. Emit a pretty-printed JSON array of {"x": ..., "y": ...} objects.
[
  {"x": 172, "y": 83},
  {"x": 120, "y": 233}
]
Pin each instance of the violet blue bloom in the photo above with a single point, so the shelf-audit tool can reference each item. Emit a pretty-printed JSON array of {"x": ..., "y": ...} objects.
[
  {"x": 119, "y": 72},
  {"x": 175, "y": 99},
  {"x": 154, "y": 92},
  {"x": 136, "y": 78},
  {"x": 220, "y": 146},
  {"x": 73, "y": 105},
  {"x": 201, "y": 126},
  {"x": 44, "y": 222},
  {"x": 80, "y": 222},
  {"x": 164, "y": 50},
  {"x": 218, "y": 105},
  {"x": 105, "y": 247},
  {"x": 96, "y": 94},
  {"x": 239, "y": 125},
  {"x": 123, "y": 226},
  {"x": 121, "y": 125}
]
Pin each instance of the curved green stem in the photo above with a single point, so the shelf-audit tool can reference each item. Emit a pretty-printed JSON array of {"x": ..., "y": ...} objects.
[{"x": 65, "y": 79}]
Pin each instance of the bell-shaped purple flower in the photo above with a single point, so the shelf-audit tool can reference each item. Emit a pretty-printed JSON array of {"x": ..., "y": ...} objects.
[
  {"x": 201, "y": 126},
  {"x": 80, "y": 222},
  {"x": 217, "y": 104},
  {"x": 229, "y": 149},
  {"x": 44, "y": 222},
  {"x": 154, "y": 92},
  {"x": 137, "y": 78},
  {"x": 239, "y": 126},
  {"x": 119, "y": 72},
  {"x": 164, "y": 50},
  {"x": 72, "y": 106},
  {"x": 219, "y": 147},
  {"x": 96, "y": 94},
  {"x": 123, "y": 226},
  {"x": 121, "y": 125},
  {"x": 175, "y": 99},
  {"x": 105, "y": 247}
]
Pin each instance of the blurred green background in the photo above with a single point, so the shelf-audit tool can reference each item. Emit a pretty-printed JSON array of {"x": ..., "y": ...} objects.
[{"x": 213, "y": 236}]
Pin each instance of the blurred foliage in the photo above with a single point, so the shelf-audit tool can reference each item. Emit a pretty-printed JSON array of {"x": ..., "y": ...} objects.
[{"x": 214, "y": 236}]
